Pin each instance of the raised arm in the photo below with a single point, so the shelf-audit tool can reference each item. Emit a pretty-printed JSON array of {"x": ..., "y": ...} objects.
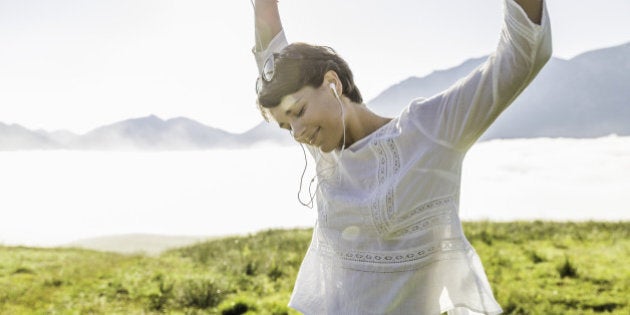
[
  {"x": 269, "y": 36},
  {"x": 458, "y": 116},
  {"x": 268, "y": 23}
]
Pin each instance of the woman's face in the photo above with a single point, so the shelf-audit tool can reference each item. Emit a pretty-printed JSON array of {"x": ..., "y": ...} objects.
[{"x": 313, "y": 115}]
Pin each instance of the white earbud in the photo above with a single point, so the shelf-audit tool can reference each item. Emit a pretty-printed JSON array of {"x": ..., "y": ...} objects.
[{"x": 333, "y": 87}]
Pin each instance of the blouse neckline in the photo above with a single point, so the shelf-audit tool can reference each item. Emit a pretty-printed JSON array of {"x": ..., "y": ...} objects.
[{"x": 361, "y": 143}]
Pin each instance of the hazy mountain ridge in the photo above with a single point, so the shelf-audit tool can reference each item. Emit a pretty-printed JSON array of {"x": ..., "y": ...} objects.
[
  {"x": 586, "y": 96},
  {"x": 16, "y": 137},
  {"x": 145, "y": 133},
  {"x": 153, "y": 133}
]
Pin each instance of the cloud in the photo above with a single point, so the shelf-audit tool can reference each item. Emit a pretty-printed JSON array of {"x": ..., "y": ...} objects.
[{"x": 556, "y": 179}]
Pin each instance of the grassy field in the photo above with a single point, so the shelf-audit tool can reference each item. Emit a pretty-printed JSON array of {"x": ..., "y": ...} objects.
[{"x": 534, "y": 268}]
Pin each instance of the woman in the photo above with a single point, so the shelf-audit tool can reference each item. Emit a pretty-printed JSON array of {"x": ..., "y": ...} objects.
[{"x": 388, "y": 239}]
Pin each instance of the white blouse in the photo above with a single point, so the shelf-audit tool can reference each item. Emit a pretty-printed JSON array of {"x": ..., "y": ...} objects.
[{"x": 388, "y": 239}]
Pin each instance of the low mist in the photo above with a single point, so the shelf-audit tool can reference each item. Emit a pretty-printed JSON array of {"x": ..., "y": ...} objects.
[{"x": 56, "y": 197}]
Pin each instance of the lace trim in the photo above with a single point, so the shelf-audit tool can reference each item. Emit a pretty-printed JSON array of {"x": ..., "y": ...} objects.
[
  {"x": 414, "y": 255},
  {"x": 388, "y": 164},
  {"x": 438, "y": 219},
  {"x": 428, "y": 206}
]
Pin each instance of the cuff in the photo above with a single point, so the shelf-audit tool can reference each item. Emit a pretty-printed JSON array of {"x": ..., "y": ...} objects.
[
  {"x": 516, "y": 17},
  {"x": 275, "y": 45}
]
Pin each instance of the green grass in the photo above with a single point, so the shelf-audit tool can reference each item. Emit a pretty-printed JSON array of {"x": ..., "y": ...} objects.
[{"x": 534, "y": 268}]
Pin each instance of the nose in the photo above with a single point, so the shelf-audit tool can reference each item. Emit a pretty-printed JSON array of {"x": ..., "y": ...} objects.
[{"x": 299, "y": 132}]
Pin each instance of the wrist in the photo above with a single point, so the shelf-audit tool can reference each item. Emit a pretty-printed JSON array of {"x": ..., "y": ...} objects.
[
  {"x": 266, "y": 6},
  {"x": 266, "y": 2}
]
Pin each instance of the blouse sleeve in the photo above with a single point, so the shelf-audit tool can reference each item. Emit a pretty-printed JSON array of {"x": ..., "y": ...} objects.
[
  {"x": 277, "y": 43},
  {"x": 458, "y": 116}
]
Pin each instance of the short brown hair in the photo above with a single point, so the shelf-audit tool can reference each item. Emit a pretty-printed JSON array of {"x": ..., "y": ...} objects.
[{"x": 299, "y": 65}]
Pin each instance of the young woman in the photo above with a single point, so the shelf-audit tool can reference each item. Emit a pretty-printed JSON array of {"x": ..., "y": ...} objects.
[{"x": 388, "y": 239}]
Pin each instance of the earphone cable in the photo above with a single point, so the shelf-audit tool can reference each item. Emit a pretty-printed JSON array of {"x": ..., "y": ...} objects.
[{"x": 312, "y": 192}]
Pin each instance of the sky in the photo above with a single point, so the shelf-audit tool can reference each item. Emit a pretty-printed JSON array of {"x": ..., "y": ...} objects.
[{"x": 80, "y": 64}]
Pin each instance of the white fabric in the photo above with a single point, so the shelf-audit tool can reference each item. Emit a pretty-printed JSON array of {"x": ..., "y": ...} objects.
[
  {"x": 388, "y": 238},
  {"x": 275, "y": 45}
]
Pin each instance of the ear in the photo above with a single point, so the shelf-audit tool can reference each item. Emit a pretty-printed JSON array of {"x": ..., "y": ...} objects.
[{"x": 332, "y": 77}]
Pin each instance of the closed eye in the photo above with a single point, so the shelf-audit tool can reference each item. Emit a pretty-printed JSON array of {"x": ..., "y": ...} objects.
[{"x": 301, "y": 112}]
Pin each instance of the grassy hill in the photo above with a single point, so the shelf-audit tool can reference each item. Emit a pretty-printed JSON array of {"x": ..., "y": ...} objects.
[
  {"x": 149, "y": 244},
  {"x": 534, "y": 268}
]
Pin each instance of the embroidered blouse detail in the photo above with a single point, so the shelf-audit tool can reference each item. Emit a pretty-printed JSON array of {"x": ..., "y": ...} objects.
[
  {"x": 420, "y": 254},
  {"x": 389, "y": 165},
  {"x": 431, "y": 214}
]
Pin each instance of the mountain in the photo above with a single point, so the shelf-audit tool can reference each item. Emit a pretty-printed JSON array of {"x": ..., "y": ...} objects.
[
  {"x": 391, "y": 101},
  {"x": 144, "y": 133},
  {"x": 586, "y": 96},
  {"x": 62, "y": 138},
  {"x": 266, "y": 133},
  {"x": 153, "y": 133},
  {"x": 16, "y": 137}
]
